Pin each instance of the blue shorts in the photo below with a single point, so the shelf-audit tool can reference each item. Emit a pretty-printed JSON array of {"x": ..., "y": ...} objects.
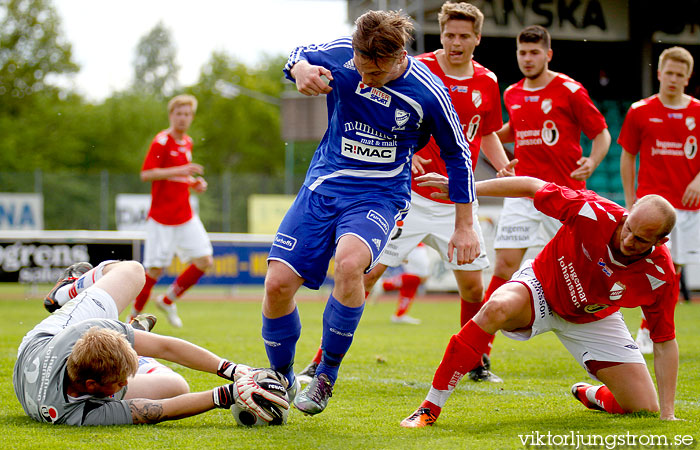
[{"x": 309, "y": 232}]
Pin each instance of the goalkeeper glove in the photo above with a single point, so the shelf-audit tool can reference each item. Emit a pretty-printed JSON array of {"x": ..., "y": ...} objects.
[{"x": 232, "y": 371}]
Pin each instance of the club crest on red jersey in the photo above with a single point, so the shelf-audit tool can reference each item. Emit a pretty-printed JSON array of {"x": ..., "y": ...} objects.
[
  {"x": 617, "y": 290},
  {"x": 476, "y": 98},
  {"x": 550, "y": 133},
  {"x": 691, "y": 147},
  {"x": 546, "y": 105},
  {"x": 690, "y": 122}
]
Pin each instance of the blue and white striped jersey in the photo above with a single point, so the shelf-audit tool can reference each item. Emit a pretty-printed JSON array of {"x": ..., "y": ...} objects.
[{"x": 373, "y": 132}]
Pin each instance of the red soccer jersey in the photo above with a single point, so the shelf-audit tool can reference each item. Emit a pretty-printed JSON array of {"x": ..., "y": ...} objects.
[
  {"x": 170, "y": 199},
  {"x": 477, "y": 101},
  {"x": 667, "y": 142},
  {"x": 547, "y": 125},
  {"x": 580, "y": 277}
]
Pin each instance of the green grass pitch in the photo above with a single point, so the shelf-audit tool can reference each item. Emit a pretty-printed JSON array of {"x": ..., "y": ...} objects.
[{"x": 384, "y": 377}]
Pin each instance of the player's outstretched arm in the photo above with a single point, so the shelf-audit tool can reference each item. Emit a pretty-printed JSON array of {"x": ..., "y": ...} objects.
[
  {"x": 186, "y": 354},
  {"x": 153, "y": 411},
  {"x": 666, "y": 370},
  {"x": 496, "y": 187}
]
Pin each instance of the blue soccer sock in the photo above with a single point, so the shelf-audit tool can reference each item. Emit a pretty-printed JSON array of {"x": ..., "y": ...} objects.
[
  {"x": 339, "y": 325},
  {"x": 281, "y": 336}
]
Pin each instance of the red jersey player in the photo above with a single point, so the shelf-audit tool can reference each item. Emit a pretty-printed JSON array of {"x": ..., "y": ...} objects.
[
  {"x": 474, "y": 93},
  {"x": 172, "y": 226},
  {"x": 663, "y": 131},
  {"x": 548, "y": 111},
  {"x": 603, "y": 258}
]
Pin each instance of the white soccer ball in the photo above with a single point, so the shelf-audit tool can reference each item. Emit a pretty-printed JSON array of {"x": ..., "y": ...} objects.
[{"x": 245, "y": 416}]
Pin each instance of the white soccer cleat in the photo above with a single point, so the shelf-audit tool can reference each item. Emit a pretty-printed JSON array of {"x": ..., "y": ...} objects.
[
  {"x": 644, "y": 342},
  {"x": 405, "y": 319},
  {"x": 170, "y": 311}
]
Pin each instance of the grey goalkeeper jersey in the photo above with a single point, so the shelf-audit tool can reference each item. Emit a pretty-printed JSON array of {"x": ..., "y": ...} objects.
[{"x": 40, "y": 380}]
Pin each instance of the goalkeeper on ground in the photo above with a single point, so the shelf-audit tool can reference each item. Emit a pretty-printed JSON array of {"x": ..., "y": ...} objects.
[{"x": 74, "y": 367}]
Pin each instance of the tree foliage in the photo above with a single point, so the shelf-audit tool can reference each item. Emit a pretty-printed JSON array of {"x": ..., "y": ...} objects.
[
  {"x": 52, "y": 130},
  {"x": 32, "y": 50},
  {"x": 155, "y": 66},
  {"x": 241, "y": 134}
]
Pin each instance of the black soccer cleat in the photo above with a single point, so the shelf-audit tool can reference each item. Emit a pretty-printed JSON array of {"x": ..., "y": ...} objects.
[
  {"x": 72, "y": 273},
  {"x": 306, "y": 375},
  {"x": 483, "y": 372}
]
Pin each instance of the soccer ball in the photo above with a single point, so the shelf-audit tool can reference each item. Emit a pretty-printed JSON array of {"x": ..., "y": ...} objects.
[{"x": 249, "y": 418}]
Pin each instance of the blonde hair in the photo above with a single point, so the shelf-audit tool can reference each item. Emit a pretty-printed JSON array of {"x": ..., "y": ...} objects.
[
  {"x": 381, "y": 35},
  {"x": 102, "y": 355},
  {"x": 182, "y": 100},
  {"x": 461, "y": 11},
  {"x": 678, "y": 54}
]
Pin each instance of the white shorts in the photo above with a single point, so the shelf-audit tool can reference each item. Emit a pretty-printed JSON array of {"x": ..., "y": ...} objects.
[
  {"x": 92, "y": 303},
  {"x": 189, "y": 240},
  {"x": 521, "y": 225},
  {"x": 418, "y": 262},
  {"x": 684, "y": 240},
  {"x": 432, "y": 223},
  {"x": 607, "y": 339}
]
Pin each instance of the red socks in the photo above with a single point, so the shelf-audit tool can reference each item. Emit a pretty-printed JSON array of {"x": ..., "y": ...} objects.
[
  {"x": 188, "y": 278},
  {"x": 605, "y": 399},
  {"x": 142, "y": 298},
  {"x": 495, "y": 283},
  {"x": 317, "y": 356},
  {"x": 463, "y": 354},
  {"x": 468, "y": 310},
  {"x": 407, "y": 292}
]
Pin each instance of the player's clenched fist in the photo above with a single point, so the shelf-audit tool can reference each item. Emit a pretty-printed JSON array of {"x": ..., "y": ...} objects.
[{"x": 308, "y": 78}]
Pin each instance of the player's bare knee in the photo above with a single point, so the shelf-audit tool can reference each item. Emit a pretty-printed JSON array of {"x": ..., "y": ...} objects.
[
  {"x": 178, "y": 385},
  {"x": 277, "y": 288},
  {"x": 493, "y": 314},
  {"x": 133, "y": 269},
  {"x": 154, "y": 272},
  {"x": 204, "y": 263},
  {"x": 349, "y": 266},
  {"x": 472, "y": 294},
  {"x": 640, "y": 405}
]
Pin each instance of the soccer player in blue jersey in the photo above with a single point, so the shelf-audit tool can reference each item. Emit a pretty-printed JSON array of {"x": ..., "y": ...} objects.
[{"x": 382, "y": 107}]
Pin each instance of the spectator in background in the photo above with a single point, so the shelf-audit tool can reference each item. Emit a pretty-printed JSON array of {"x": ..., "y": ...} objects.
[
  {"x": 172, "y": 226},
  {"x": 664, "y": 131}
]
